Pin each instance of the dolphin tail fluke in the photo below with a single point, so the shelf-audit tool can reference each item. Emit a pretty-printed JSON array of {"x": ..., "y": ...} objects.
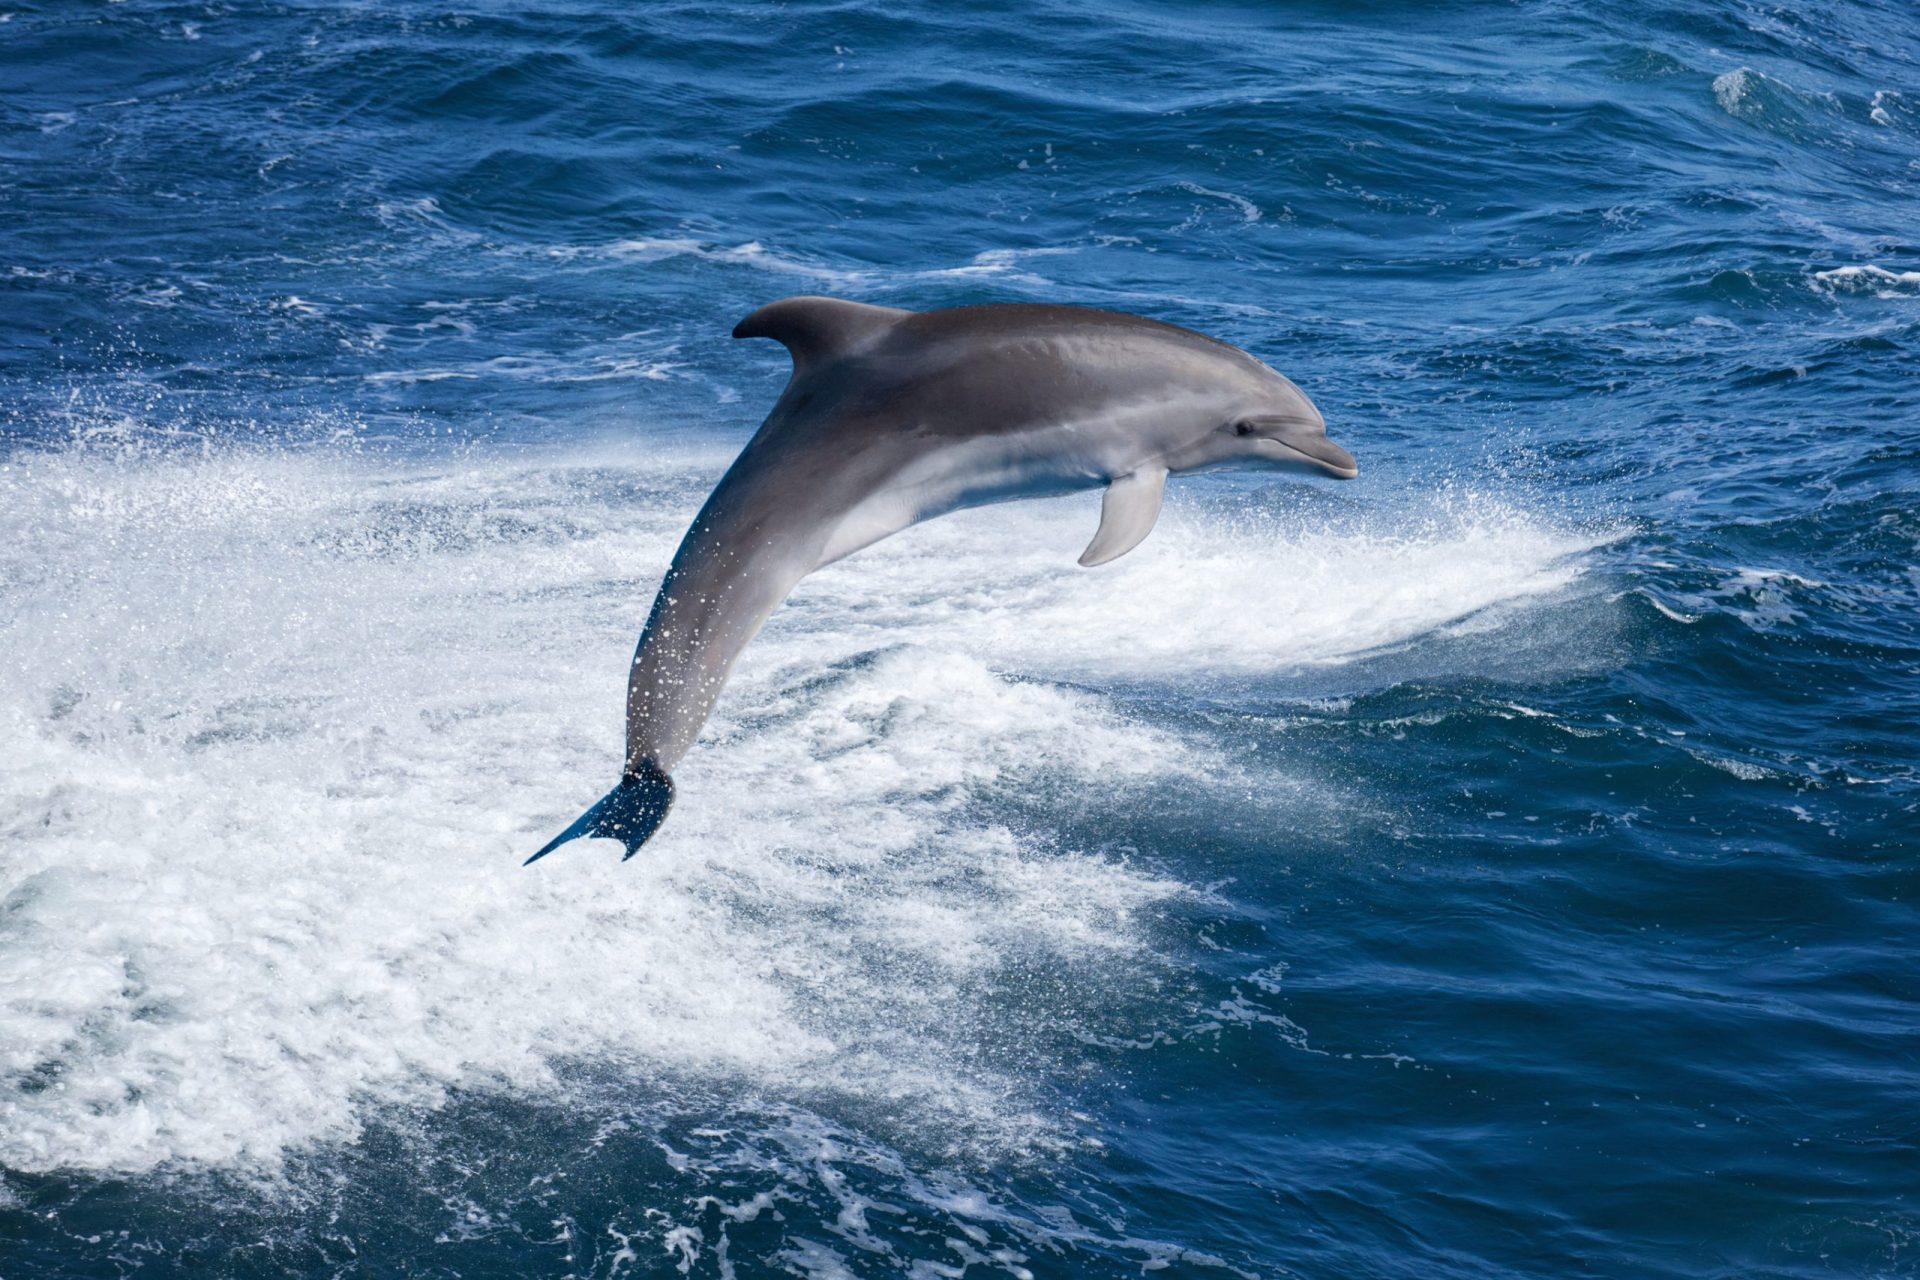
[{"x": 630, "y": 813}]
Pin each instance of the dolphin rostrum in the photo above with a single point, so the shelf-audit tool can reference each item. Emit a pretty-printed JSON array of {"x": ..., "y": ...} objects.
[{"x": 893, "y": 417}]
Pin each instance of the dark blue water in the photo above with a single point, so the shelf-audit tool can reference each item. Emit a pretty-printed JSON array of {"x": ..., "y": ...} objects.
[{"x": 1501, "y": 865}]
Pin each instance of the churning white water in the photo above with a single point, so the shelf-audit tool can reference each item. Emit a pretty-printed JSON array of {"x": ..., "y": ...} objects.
[{"x": 280, "y": 727}]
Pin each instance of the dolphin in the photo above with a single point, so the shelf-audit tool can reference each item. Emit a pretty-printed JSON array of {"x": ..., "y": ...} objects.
[{"x": 892, "y": 417}]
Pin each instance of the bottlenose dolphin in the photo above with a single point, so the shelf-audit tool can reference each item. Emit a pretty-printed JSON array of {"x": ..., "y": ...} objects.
[{"x": 893, "y": 417}]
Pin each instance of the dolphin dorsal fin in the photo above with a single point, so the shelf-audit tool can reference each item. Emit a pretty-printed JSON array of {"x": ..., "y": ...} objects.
[
  {"x": 817, "y": 330},
  {"x": 1127, "y": 514}
]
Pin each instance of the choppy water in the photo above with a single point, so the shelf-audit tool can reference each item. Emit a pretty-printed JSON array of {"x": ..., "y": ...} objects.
[{"x": 1501, "y": 865}]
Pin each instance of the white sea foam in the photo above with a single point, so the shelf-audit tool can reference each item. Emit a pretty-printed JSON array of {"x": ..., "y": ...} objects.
[
  {"x": 1733, "y": 91},
  {"x": 1887, "y": 106},
  {"x": 1762, "y": 599},
  {"x": 751, "y": 254},
  {"x": 1262, "y": 593},
  {"x": 1249, "y": 211},
  {"x": 538, "y": 367},
  {"x": 281, "y": 726},
  {"x": 1001, "y": 264},
  {"x": 1754, "y": 96},
  {"x": 1880, "y": 282}
]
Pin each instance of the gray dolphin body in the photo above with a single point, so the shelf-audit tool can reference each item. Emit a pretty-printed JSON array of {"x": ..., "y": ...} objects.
[{"x": 893, "y": 417}]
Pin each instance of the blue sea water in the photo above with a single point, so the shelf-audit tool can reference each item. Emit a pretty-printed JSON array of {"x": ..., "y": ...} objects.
[{"x": 1502, "y": 865}]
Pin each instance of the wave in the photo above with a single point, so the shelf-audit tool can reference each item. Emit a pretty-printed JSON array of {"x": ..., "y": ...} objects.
[{"x": 1876, "y": 281}]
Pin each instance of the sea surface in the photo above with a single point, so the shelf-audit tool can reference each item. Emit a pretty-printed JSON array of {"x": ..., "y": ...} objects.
[{"x": 1506, "y": 864}]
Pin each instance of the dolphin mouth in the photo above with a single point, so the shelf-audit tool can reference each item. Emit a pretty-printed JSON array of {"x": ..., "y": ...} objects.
[{"x": 1324, "y": 454}]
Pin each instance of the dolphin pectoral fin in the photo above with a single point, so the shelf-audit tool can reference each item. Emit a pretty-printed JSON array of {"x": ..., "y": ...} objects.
[
  {"x": 1126, "y": 516},
  {"x": 630, "y": 813}
]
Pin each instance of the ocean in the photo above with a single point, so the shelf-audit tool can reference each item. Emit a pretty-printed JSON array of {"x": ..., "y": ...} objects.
[{"x": 1504, "y": 864}]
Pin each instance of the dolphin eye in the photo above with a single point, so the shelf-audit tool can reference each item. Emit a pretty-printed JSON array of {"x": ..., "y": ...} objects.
[{"x": 1243, "y": 428}]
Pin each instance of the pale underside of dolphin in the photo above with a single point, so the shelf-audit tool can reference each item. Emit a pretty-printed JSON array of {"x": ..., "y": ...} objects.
[{"x": 893, "y": 417}]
